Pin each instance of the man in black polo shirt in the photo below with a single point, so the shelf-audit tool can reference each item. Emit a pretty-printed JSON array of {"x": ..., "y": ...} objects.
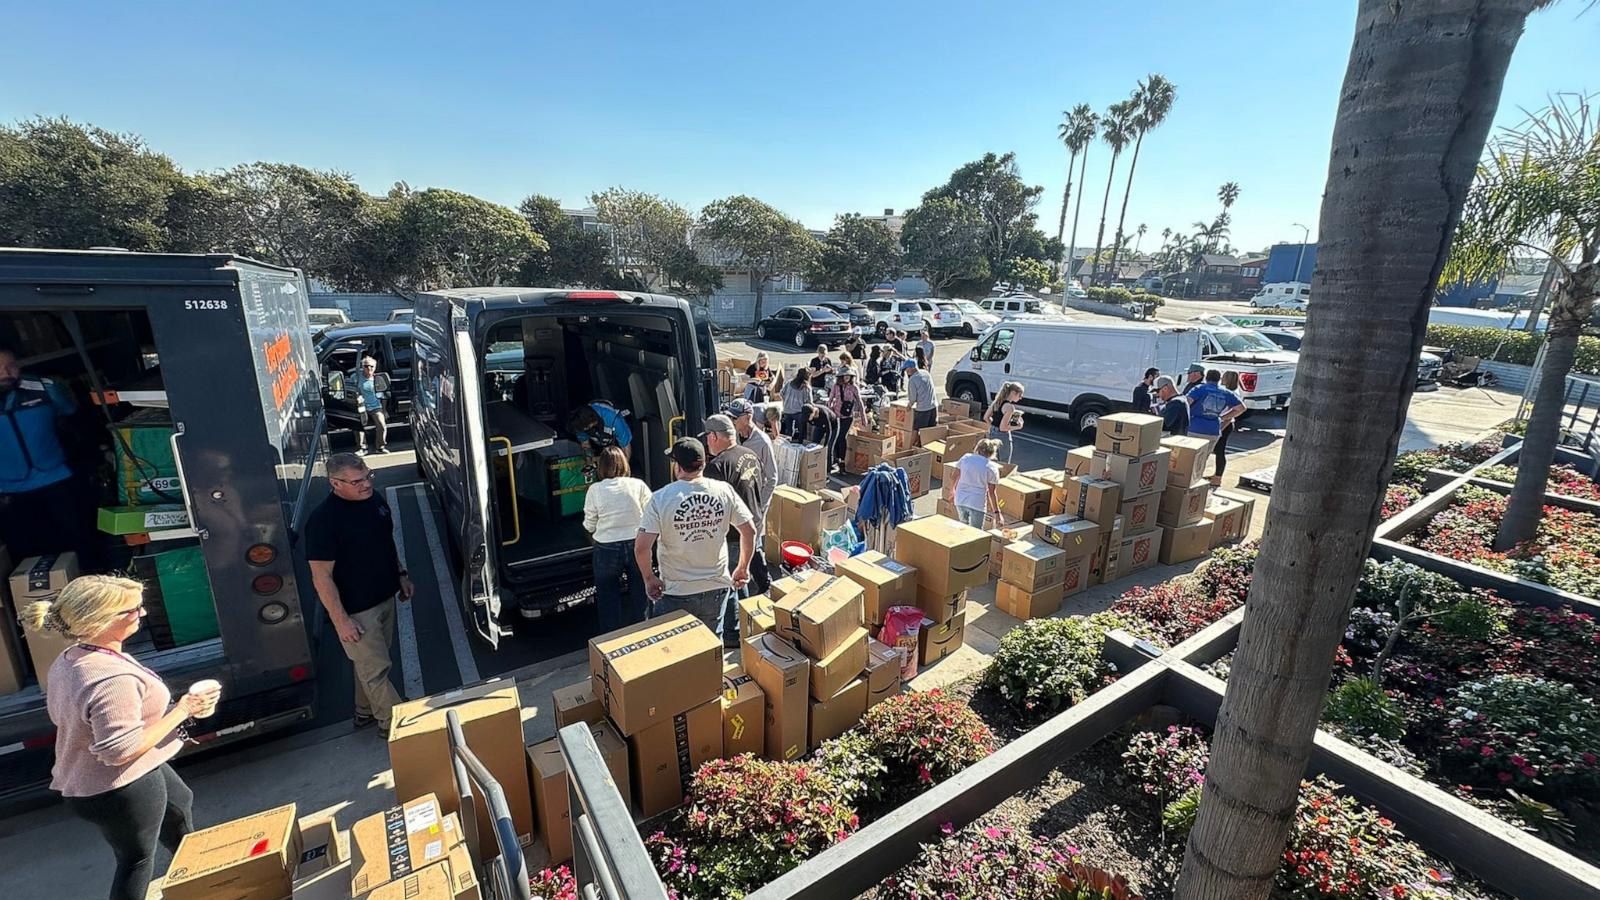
[{"x": 357, "y": 572}]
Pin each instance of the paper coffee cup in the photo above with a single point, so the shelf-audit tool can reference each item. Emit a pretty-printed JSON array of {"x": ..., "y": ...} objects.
[{"x": 204, "y": 687}]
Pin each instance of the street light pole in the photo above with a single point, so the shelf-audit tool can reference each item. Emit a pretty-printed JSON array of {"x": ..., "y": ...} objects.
[{"x": 1302, "y": 255}]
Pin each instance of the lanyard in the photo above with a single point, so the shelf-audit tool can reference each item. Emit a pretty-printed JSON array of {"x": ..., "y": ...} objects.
[{"x": 92, "y": 648}]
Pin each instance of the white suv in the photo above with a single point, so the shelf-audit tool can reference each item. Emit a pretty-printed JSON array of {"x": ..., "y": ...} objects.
[{"x": 910, "y": 314}]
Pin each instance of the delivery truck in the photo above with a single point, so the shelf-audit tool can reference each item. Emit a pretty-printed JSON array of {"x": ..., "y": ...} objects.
[{"x": 198, "y": 425}]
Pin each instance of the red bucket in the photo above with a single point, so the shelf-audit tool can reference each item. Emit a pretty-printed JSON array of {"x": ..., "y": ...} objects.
[{"x": 796, "y": 554}]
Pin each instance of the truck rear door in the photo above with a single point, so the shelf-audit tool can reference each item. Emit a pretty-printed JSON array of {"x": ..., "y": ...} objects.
[{"x": 480, "y": 595}]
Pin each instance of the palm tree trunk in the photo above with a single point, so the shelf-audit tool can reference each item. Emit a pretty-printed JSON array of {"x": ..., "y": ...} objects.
[
  {"x": 1083, "y": 172},
  {"x": 1420, "y": 91},
  {"x": 1105, "y": 204},
  {"x": 1066, "y": 198},
  {"x": 758, "y": 283},
  {"x": 1573, "y": 303},
  {"x": 1127, "y": 191}
]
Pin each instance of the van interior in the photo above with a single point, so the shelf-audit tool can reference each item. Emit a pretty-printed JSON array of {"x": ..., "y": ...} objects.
[
  {"x": 538, "y": 369},
  {"x": 120, "y": 453}
]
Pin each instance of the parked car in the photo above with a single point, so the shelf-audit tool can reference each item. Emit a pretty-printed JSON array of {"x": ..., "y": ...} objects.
[
  {"x": 401, "y": 315},
  {"x": 804, "y": 325},
  {"x": 1016, "y": 305},
  {"x": 1077, "y": 371},
  {"x": 322, "y": 318},
  {"x": 1266, "y": 372},
  {"x": 339, "y": 350},
  {"x": 1283, "y": 295},
  {"x": 1076, "y": 291},
  {"x": 912, "y": 314},
  {"x": 974, "y": 320},
  {"x": 1288, "y": 332},
  {"x": 860, "y": 317}
]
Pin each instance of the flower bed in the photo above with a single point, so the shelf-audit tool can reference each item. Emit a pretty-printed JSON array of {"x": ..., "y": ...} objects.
[
  {"x": 1564, "y": 553},
  {"x": 1411, "y": 468},
  {"x": 1564, "y": 480}
]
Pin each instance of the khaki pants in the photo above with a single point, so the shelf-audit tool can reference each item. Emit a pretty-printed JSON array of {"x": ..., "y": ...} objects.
[
  {"x": 380, "y": 427},
  {"x": 375, "y": 694}
]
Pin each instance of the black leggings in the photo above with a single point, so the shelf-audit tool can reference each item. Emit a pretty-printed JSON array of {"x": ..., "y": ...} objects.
[
  {"x": 132, "y": 817},
  {"x": 1221, "y": 450}
]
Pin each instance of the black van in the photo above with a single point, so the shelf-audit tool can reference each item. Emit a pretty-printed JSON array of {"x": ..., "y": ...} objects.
[{"x": 497, "y": 372}]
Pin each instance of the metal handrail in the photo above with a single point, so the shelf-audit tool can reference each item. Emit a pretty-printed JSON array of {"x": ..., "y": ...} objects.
[
  {"x": 511, "y": 471},
  {"x": 608, "y": 858},
  {"x": 510, "y": 868}
]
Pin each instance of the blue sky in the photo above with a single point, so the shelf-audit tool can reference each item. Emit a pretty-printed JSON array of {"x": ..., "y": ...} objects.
[{"x": 818, "y": 108}]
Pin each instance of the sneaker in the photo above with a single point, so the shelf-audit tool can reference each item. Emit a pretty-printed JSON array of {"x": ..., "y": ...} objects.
[
  {"x": 362, "y": 720},
  {"x": 383, "y": 449},
  {"x": 361, "y": 451}
]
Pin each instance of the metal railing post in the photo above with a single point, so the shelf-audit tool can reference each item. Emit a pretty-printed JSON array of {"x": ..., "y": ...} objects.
[
  {"x": 608, "y": 857},
  {"x": 510, "y": 868}
]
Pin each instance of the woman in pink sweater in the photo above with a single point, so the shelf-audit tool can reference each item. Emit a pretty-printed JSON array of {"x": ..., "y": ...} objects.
[{"x": 116, "y": 727}]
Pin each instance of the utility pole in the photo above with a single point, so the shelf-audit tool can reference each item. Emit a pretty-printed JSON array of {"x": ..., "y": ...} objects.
[{"x": 1299, "y": 259}]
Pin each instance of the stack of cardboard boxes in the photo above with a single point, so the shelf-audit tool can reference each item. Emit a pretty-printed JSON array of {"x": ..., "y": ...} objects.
[
  {"x": 801, "y": 515},
  {"x": 1128, "y": 452},
  {"x": 1185, "y": 531},
  {"x": 802, "y": 465},
  {"x": 950, "y": 558},
  {"x": 37, "y": 578},
  {"x": 825, "y": 620}
]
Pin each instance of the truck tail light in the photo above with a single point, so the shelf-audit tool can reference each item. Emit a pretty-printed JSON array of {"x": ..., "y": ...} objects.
[
  {"x": 261, "y": 554},
  {"x": 266, "y": 584},
  {"x": 592, "y": 295},
  {"x": 1247, "y": 380}
]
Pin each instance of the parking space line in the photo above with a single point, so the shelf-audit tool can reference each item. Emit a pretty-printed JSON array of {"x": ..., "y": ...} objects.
[
  {"x": 1048, "y": 442},
  {"x": 466, "y": 665},
  {"x": 405, "y": 624}
]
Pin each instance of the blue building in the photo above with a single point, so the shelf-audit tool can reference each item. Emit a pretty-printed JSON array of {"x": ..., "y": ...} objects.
[{"x": 1282, "y": 260}]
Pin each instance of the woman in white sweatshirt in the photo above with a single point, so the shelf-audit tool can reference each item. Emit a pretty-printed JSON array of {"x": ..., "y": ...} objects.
[{"x": 612, "y": 509}]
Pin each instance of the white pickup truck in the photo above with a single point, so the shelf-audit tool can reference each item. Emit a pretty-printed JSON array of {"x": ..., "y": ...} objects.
[{"x": 1266, "y": 372}]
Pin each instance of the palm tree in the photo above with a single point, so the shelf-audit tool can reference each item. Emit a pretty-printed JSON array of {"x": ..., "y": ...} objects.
[
  {"x": 1077, "y": 131},
  {"x": 1154, "y": 97},
  {"x": 1228, "y": 193},
  {"x": 1139, "y": 233},
  {"x": 1379, "y": 259},
  {"x": 1116, "y": 127}
]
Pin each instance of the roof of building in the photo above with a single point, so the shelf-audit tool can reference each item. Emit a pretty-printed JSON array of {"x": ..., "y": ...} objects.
[{"x": 1219, "y": 259}]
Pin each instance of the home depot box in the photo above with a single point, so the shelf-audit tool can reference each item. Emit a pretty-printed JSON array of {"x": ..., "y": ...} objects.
[
  {"x": 550, "y": 799},
  {"x": 903, "y": 439},
  {"x": 837, "y": 713},
  {"x": 1229, "y": 518},
  {"x": 884, "y": 583},
  {"x": 919, "y": 469},
  {"x": 937, "y": 640},
  {"x": 744, "y": 710},
  {"x": 1097, "y": 500},
  {"x": 756, "y": 616},
  {"x": 1024, "y": 604},
  {"x": 1185, "y": 542},
  {"x": 830, "y": 673},
  {"x": 649, "y": 672},
  {"x": 1073, "y": 535},
  {"x": 1182, "y": 505},
  {"x": 1076, "y": 574},
  {"x": 1033, "y": 565},
  {"x": 491, "y": 720},
  {"x": 577, "y": 703},
  {"x": 883, "y": 672},
  {"x": 1248, "y": 501},
  {"x": 400, "y": 840},
  {"x": 1022, "y": 499},
  {"x": 795, "y": 514},
  {"x": 821, "y": 615},
  {"x": 251, "y": 858},
  {"x": 1186, "y": 462},
  {"x": 1080, "y": 461},
  {"x": 961, "y": 409},
  {"x": 865, "y": 449},
  {"x": 784, "y": 675},
  {"x": 665, "y": 756},
  {"x": 1139, "y": 514},
  {"x": 900, "y": 415},
  {"x": 1128, "y": 434},
  {"x": 1138, "y": 476},
  {"x": 1137, "y": 551},
  {"x": 36, "y": 579},
  {"x": 939, "y": 607},
  {"x": 949, "y": 556},
  {"x": 12, "y": 667}
]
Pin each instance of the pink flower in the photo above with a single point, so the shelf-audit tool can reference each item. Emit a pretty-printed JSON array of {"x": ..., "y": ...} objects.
[
  {"x": 1504, "y": 776},
  {"x": 992, "y": 833},
  {"x": 947, "y": 828},
  {"x": 924, "y": 774},
  {"x": 1487, "y": 750}
]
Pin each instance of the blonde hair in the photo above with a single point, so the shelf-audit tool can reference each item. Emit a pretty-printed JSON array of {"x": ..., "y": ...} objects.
[
  {"x": 1004, "y": 396},
  {"x": 987, "y": 447},
  {"x": 88, "y": 605}
]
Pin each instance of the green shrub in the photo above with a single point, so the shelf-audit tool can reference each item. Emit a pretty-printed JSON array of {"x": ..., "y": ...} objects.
[
  {"x": 924, "y": 737},
  {"x": 1177, "y": 817},
  {"x": 1515, "y": 731},
  {"x": 1383, "y": 583},
  {"x": 1047, "y": 665},
  {"x": 1110, "y": 294},
  {"x": 1227, "y": 576},
  {"x": 1517, "y": 347},
  {"x": 1167, "y": 764},
  {"x": 1277, "y": 311},
  {"x": 1472, "y": 617},
  {"x": 1360, "y": 705},
  {"x": 850, "y": 761}
]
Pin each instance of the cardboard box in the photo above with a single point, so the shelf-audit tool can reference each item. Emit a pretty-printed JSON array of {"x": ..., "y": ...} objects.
[
  {"x": 865, "y": 449},
  {"x": 937, "y": 640},
  {"x": 1022, "y": 499},
  {"x": 784, "y": 675},
  {"x": 940, "y": 607},
  {"x": 884, "y": 583},
  {"x": 903, "y": 439},
  {"x": 744, "y": 710},
  {"x": 788, "y": 584},
  {"x": 941, "y": 458},
  {"x": 1080, "y": 461},
  {"x": 1186, "y": 462},
  {"x": 1139, "y": 514},
  {"x": 400, "y": 840},
  {"x": 820, "y": 616},
  {"x": 926, "y": 436},
  {"x": 463, "y": 877},
  {"x": 436, "y": 882},
  {"x": 883, "y": 672},
  {"x": 332, "y": 883},
  {"x": 795, "y": 514},
  {"x": 1073, "y": 535},
  {"x": 1248, "y": 501},
  {"x": 250, "y": 858},
  {"x": 1024, "y": 604},
  {"x": 755, "y": 616},
  {"x": 491, "y": 719},
  {"x": 40, "y": 579},
  {"x": 834, "y": 513},
  {"x": 947, "y": 509},
  {"x": 1137, "y": 551},
  {"x": 919, "y": 469},
  {"x": 142, "y": 519},
  {"x": 550, "y": 798},
  {"x": 1185, "y": 542},
  {"x": 577, "y": 703},
  {"x": 1183, "y": 505},
  {"x": 1229, "y": 518},
  {"x": 959, "y": 443},
  {"x": 900, "y": 415},
  {"x": 664, "y": 757},
  {"x": 1033, "y": 565},
  {"x": 1103, "y": 564},
  {"x": 1138, "y": 475},
  {"x": 652, "y": 671},
  {"x": 835, "y": 715},
  {"x": 961, "y": 409},
  {"x": 1128, "y": 434},
  {"x": 1098, "y": 500},
  {"x": 318, "y": 844},
  {"x": 1075, "y": 576},
  {"x": 998, "y": 539},
  {"x": 830, "y": 673},
  {"x": 950, "y": 557}
]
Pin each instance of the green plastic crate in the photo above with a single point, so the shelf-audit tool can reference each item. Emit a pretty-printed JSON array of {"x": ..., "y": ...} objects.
[{"x": 184, "y": 592}]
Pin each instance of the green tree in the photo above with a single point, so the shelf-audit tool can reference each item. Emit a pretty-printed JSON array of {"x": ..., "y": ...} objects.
[
  {"x": 1154, "y": 95},
  {"x": 763, "y": 240},
  {"x": 1029, "y": 273},
  {"x": 993, "y": 187},
  {"x": 576, "y": 258},
  {"x": 943, "y": 239},
  {"x": 643, "y": 231},
  {"x": 77, "y": 186},
  {"x": 289, "y": 215},
  {"x": 686, "y": 276},
  {"x": 1116, "y": 128},
  {"x": 436, "y": 238},
  {"x": 1228, "y": 194},
  {"x": 856, "y": 255},
  {"x": 1420, "y": 91},
  {"x": 1077, "y": 130},
  {"x": 1538, "y": 189}
]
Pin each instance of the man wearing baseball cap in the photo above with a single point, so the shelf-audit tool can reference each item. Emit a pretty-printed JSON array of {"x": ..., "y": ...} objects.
[
  {"x": 752, "y": 435},
  {"x": 738, "y": 466},
  {"x": 686, "y": 525},
  {"x": 1195, "y": 378}
]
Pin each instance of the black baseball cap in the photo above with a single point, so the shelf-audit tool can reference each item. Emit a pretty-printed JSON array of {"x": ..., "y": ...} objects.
[{"x": 688, "y": 453}]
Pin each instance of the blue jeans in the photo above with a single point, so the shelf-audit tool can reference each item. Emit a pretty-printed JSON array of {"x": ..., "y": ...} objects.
[
  {"x": 710, "y": 607},
  {"x": 1003, "y": 437},
  {"x": 971, "y": 515},
  {"x": 618, "y": 587}
]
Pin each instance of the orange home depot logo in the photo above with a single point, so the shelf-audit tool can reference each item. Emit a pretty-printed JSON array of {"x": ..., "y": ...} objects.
[
  {"x": 1141, "y": 512},
  {"x": 1072, "y": 578},
  {"x": 1141, "y": 552},
  {"x": 915, "y": 480},
  {"x": 1147, "y": 474},
  {"x": 1197, "y": 502}
]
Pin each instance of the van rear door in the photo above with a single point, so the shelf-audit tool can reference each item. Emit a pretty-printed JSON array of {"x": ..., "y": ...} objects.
[{"x": 479, "y": 593}]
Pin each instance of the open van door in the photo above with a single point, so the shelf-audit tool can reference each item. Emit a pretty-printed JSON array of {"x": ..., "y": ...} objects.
[{"x": 479, "y": 593}]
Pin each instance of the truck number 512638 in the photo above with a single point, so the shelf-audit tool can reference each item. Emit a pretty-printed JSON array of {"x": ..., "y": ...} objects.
[{"x": 205, "y": 304}]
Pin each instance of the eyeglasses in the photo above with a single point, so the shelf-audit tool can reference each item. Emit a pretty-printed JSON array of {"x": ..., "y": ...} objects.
[
  {"x": 365, "y": 479},
  {"x": 135, "y": 611}
]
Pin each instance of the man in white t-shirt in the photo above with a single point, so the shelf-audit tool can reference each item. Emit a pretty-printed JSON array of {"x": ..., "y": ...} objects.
[{"x": 686, "y": 524}]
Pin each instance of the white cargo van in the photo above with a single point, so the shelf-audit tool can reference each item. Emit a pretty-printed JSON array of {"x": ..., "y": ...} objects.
[{"x": 1078, "y": 371}]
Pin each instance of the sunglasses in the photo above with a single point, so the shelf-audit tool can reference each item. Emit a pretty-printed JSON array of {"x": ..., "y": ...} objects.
[{"x": 133, "y": 611}]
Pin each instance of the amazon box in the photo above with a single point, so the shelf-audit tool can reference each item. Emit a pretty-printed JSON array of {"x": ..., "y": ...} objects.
[
  {"x": 939, "y": 607},
  {"x": 821, "y": 616},
  {"x": 649, "y": 672},
  {"x": 883, "y": 672},
  {"x": 1080, "y": 461},
  {"x": 919, "y": 469},
  {"x": 1138, "y": 475},
  {"x": 1138, "y": 551},
  {"x": 1098, "y": 500},
  {"x": 665, "y": 756},
  {"x": 319, "y": 846},
  {"x": 949, "y": 556},
  {"x": 1186, "y": 462},
  {"x": 1073, "y": 535},
  {"x": 1033, "y": 565},
  {"x": 744, "y": 710},
  {"x": 577, "y": 703},
  {"x": 884, "y": 583},
  {"x": 795, "y": 515},
  {"x": 1185, "y": 542},
  {"x": 1183, "y": 505},
  {"x": 1022, "y": 499},
  {"x": 937, "y": 640},
  {"x": 830, "y": 673},
  {"x": 838, "y": 713},
  {"x": 1023, "y": 604},
  {"x": 435, "y": 882},
  {"x": 784, "y": 675},
  {"x": 788, "y": 584},
  {"x": 1229, "y": 518},
  {"x": 251, "y": 858},
  {"x": 999, "y": 538},
  {"x": 491, "y": 720},
  {"x": 550, "y": 799},
  {"x": 756, "y": 616},
  {"x": 41, "y": 578},
  {"x": 1139, "y": 514},
  {"x": 1128, "y": 434},
  {"x": 1248, "y": 501},
  {"x": 400, "y": 840}
]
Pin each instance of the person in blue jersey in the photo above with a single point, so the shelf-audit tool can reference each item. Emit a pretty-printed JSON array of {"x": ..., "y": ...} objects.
[
  {"x": 599, "y": 425},
  {"x": 43, "y": 507},
  {"x": 1212, "y": 408}
]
